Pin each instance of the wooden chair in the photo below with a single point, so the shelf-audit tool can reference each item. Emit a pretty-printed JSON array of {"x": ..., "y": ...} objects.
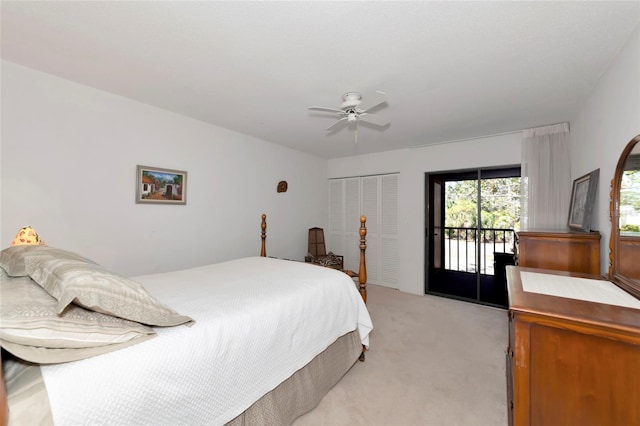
[{"x": 317, "y": 251}]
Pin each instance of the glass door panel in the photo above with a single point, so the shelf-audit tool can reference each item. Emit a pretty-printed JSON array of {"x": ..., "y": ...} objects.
[{"x": 500, "y": 218}]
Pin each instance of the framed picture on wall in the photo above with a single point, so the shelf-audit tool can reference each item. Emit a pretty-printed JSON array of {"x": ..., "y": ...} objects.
[
  {"x": 155, "y": 185},
  {"x": 583, "y": 197}
]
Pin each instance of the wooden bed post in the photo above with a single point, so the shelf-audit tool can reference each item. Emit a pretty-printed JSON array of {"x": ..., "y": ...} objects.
[
  {"x": 263, "y": 235},
  {"x": 362, "y": 272}
]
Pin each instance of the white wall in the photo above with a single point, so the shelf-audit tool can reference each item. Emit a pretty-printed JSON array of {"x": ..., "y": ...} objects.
[
  {"x": 68, "y": 164},
  {"x": 412, "y": 164},
  {"x": 607, "y": 122}
]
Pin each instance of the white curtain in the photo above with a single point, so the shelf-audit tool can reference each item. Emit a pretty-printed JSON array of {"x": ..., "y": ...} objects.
[{"x": 546, "y": 178}]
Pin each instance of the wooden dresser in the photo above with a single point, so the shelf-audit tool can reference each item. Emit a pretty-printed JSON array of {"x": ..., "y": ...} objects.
[
  {"x": 570, "y": 361},
  {"x": 559, "y": 250}
]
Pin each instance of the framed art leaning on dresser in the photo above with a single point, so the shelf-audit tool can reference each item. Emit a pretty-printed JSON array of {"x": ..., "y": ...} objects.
[{"x": 583, "y": 197}]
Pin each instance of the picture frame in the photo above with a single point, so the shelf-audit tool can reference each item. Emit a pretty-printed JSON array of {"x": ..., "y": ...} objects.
[
  {"x": 583, "y": 196},
  {"x": 156, "y": 185}
]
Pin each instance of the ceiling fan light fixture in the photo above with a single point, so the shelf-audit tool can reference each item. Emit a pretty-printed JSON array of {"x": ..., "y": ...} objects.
[
  {"x": 351, "y": 100},
  {"x": 350, "y": 112}
]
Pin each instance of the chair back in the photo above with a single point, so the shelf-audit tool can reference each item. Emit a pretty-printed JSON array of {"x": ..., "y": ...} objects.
[{"x": 316, "y": 242}]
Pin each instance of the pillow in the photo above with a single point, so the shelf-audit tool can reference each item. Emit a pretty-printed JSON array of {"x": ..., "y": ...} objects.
[
  {"x": 12, "y": 258},
  {"x": 95, "y": 288},
  {"x": 31, "y": 329}
]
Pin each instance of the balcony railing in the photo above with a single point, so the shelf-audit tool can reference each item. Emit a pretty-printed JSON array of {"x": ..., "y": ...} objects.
[{"x": 461, "y": 248}]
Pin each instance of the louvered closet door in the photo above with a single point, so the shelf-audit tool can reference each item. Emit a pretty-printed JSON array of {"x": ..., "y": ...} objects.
[
  {"x": 344, "y": 220},
  {"x": 335, "y": 236},
  {"x": 377, "y": 198},
  {"x": 380, "y": 205},
  {"x": 389, "y": 230},
  {"x": 370, "y": 203}
]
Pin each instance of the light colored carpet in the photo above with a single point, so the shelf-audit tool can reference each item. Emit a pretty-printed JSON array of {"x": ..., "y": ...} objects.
[{"x": 432, "y": 361}]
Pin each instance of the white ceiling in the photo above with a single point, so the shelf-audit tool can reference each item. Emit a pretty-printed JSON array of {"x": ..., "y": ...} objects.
[{"x": 452, "y": 70}]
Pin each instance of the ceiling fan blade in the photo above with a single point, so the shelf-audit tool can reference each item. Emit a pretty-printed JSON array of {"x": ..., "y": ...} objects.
[
  {"x": 340, "y": 123},
  {"x": 373, "y": 119},
  {"x": 317, "y": 108},
  {"x": 377, "y": 101}
]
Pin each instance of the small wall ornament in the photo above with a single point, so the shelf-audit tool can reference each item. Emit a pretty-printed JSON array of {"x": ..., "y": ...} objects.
[{"x": 282, "y": 186}]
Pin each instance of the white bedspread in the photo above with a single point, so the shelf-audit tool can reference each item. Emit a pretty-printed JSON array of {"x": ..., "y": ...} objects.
[{"x": 258, "y": 320}]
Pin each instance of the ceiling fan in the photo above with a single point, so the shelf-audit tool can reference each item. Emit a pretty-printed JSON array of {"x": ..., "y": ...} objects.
[{"x": 353, "y": 111}]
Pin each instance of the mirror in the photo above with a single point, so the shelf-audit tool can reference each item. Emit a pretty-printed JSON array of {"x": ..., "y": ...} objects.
[{"x": 624, "y": 244}]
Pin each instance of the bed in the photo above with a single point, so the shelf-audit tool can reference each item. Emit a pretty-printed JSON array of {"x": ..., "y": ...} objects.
[{"x": 257, "y": 340}]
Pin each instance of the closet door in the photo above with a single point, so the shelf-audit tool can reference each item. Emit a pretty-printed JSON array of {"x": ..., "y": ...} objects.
[
  {"x": 380, "y": 206},
  {"x": 376, "y": 197},
  {"x": 352, "y": 224},
  {"x": 389, "y": 230},
  {"x": 334, "y": 237},
  {"x": 370, "y": 208},
  {"x": 344, "y": 220}
]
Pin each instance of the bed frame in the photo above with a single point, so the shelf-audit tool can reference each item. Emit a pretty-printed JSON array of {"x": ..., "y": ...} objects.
[
  {"x": 362, "y": 271},
  {"x": 362, "y": 288}
]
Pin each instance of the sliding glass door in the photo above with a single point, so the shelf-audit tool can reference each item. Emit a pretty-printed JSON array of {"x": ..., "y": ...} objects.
[{"x": 471, "y": 220}]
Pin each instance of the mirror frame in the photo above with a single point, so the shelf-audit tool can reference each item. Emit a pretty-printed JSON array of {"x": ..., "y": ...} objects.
[{"x": 631, "y": 285}]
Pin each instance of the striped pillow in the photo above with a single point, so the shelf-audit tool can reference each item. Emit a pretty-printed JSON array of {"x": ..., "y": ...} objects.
[
  {"x": 12, "y": 258},
  {"x": 31, "y": 329},
  {"x": 93, "y": 287}
]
